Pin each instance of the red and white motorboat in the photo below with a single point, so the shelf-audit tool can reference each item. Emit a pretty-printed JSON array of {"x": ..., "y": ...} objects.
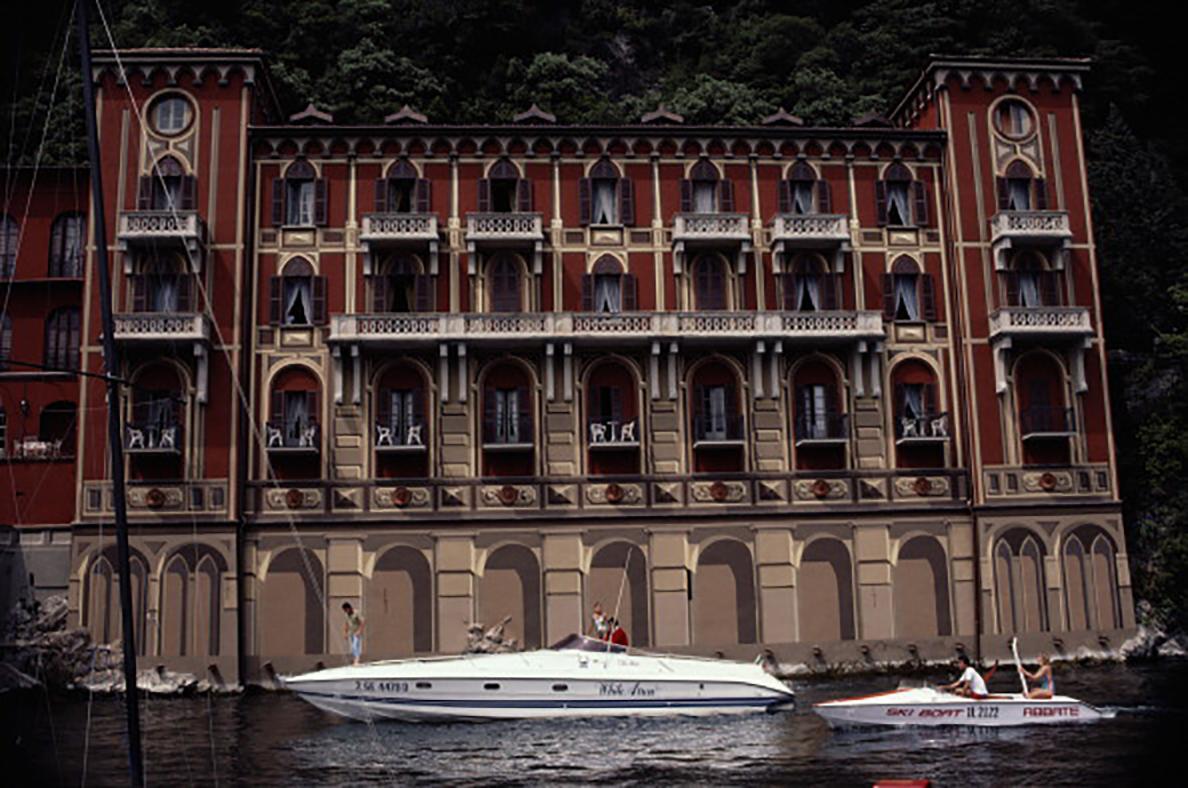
[{"x": 931, "y": 707}]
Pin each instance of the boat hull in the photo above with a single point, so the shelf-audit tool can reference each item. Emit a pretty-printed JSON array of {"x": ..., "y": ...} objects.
[
  {"x": 930, "y": 708},
  {"x": 502, "y": 687}
]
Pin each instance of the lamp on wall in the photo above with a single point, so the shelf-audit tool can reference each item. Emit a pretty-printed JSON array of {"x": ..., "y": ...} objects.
[{"x": 23, "y": 405}]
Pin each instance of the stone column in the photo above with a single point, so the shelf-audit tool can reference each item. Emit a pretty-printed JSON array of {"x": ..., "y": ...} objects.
[
  {"x": 961, "y": 563},
  {"x": 562, "y": 568},
  {"x": 454, "y": 559},
  {"x": 670, "y": 588},
  {"x": 770, "y": 438},
  {"x": 344, "y": 583},
  {"x": 777, "y": 586},
  {"x": 876, "y": 614}
]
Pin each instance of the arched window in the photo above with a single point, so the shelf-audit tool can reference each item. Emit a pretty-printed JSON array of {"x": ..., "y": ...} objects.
[
  {"x": 62, "y": 338},
  {"x": 66, "y": 245},
  {"x": 607, "y": 288},
  {"x": 605, "y": 197},
  {"x": 908, "y": 294},
  {"x": 710, "y": 285},
  {"x": 5, "y": 340},
  {"x": 56, "y": 426},
  {"x": 803, "y": 193},
  {"x": 507, "y": 427},
  {"x": 705, "y": 191},
  {"x": 167, "y": 188},
  {"x": 155, "y": 424},
  {"x": 1045, "y": 422},
  {"x": 900, "y": 200},
  {"x": 162, "y": 286},
  {"x": 10, "y": 235},
  {"x": 401, "y": 287},
  {"x": 715, "y": 407},
  {"x": 810, "y": 286},
  {"x": 403, "y": 191},
  {"x": 401, "y": 422},
  {"x": 1019, "y": 583},
  {"x": 821, "y": 427},
  {"x": 299, "y": 198},
  {"x": 1013, "y": 119},
  {"x": 297, "y": 297},
  {"x": 612, "y": 424},
  {"x": 1020, "y": 190},
  {"x": 921, "y": 427},
  {"x": 504, "y": 191},
  {"x": 1030, "y": 283},
  {"x": 504, "y": 277},
  {"x": 293, "y": 423}
]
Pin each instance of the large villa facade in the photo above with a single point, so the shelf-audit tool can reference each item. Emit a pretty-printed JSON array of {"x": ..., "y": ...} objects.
[{"x": 836, "y": 392}]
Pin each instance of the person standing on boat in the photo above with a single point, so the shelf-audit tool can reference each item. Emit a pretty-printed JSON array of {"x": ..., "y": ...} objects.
[
  {"x": 1042, "y": 677},
  {"x": 352, "y": 630},
  {"x": 970, "y": 684},
  {"x": 600, "y": 628},
  {"x": 618, "y": 635}
]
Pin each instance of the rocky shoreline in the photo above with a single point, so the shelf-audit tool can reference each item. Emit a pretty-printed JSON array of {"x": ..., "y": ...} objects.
[{"x": 39, "y": 651}]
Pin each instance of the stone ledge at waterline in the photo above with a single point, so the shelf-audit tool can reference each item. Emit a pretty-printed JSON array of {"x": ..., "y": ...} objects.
[{"x": 38, "y": 650}]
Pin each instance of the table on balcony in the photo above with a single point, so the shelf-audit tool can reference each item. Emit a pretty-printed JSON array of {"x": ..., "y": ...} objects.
[
  {"x": 711, "y": 230},
  {"x": 397, "y": 231},
  {"x": 1009, "y": 229},
  {"x": 162, "y": 229},
  {"x": 819, "y": 231},
  {"x": 505, "y": 230}
]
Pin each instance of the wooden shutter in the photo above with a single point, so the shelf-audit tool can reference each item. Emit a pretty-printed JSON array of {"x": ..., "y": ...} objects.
[
  {"x": 139, "y": 293},
  {"x": 275, "y": 292},
  {"x": 321, "y": 195},
  {"x": 920, "y": 192},
  {"x": 379, "y": 293},
  {"x": 930, "y": 399},
  {"x": 524, "y": 195},
  {"x": 785, "y": 196},
  {"x": 1050, "y": 288},
  {"x": 311, "y": 407},
  {"x": 184, "y": 293},
  {"x": 383, "y": 409},
  {"x": 484, "y": 195},
  {"x": 524, "y": 414},
  {"x": 828, "y": 290},
  {"x": 144, "y": 193},
  {"x": 319, "y": 300},
  {"x": 1012, "y": 288},
  {"x": 900, "y": 400},
  {"x": 277, "y": 416},
  {"x": 626, "y": 202},
  {"x": 423, "y": 195},
  {"x": 278, "y": 201},
  {"x": 824, "y": 203},
  {"x": 726, "y": 196},
  {"x": 423, "y": 293},
  {"x": 789, "y": 286},
  {"x": 881, "y": 203},
  {"x": 832, "y": 405},
  {"x": 74, "y": 338},
  {"x": 587, "y": 292},
  {"x": 1041, "y": 194},
  {"x": 489, "y": 431},
  {"x": 630, "y": 293},
  {"x": 381, "y": 195},
  {"x": 189, "y": 193},
  {"x": 700, "y": 400},
  {"x": 928, "y": 297},
  {"x": 1004, "y": 194},
  {"x": 584, "y": 201},
  {"x": 888, "y": 297},
  {"x": 686, "y": 195}
]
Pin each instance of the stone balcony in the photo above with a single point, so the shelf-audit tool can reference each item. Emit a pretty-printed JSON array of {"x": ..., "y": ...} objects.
[
  {"x": 708, "y": 230},
  {"x": 400, "y": 231},
  {"x": 1040, "y": 322},
  {"x": 505, "y": 230},
  {"x": 1011, "y": 229},
  {"x": 595, "y": 328},
  {"x": 155, "y": 331},
  {"x": 161, "y": 230},
  {"x": 818, "y": 231}
]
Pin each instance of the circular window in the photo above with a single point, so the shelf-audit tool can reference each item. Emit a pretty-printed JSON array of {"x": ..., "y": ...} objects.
[
  {"x": 171, "y": 115},
  {"x": 1014, "y": 119}
]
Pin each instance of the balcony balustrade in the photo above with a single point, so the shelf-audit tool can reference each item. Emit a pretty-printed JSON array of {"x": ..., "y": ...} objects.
[
  {"x": 822, "y": 428},
  {"x": 929, "y": 428},
  {"x": 1009, "y": 229},
  {"x": 1046, "y": 421},
  {"x": 297, "y": 436},
  {"x": 503, "y": 230},
  {"x": 711, "y": 227},
  {"x": 163, "y": 229},
  {"x": 604, "y": 328},
  {"x": 398, "y": 228},
  {"x": 1041, "y": 322},
  {"x": 717, "y": 430},
  {"x": 509, "y": 433},
  {"x": 159, "y": 327},
  {"x": 152, "y": 438}
]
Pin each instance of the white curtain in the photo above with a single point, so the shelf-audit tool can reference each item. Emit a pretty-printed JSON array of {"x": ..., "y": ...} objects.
[
  {"x": 808, "y": 293},
  {"x": 705, "y": 195},
  {"x": 604, "y": 202},
  {"x": 301, "y": 202},
  {"x": 1029, "y": 294},
  {"x": 717, "y": 413},
  {"x": 1019, "y": 194},
  {"x": 296, "y": 416},
  {"x": 298, "y": 309},
  {"x": 606, "y": 294},
  {"x": 906, "y": 306},
  {"x": 802, "y": 197},
  {"x": 164, "y": 293},
  {"x": 913, "y": 400},
  {"x": 815, "y": 407},
  {"x": 507, "y": 411},
  {"x": 898, "y": 210}
]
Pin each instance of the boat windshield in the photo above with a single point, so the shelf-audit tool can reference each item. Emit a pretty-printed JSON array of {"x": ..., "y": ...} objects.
[{"x": 575, "y": 642}]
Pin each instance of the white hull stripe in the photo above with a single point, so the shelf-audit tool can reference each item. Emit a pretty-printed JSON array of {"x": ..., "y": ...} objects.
[{"x": 555, "y": 704}]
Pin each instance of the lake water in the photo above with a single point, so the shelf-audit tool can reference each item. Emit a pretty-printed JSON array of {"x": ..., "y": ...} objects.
[{"x": 276, "y": 739}]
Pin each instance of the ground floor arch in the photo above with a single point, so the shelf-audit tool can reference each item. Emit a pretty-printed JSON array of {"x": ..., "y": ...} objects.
[
  {"x": 724, "y": 595},
  {"x": 509, "y": 587},
  {"x": 1090, "y": 580},
  {"x": 292, "y": 617},
  {"x": 101, "y": 599},
  {"x": 1019, "y": 582},
  {"x": 825, "y": 592},
  {"x": 398, "y": 606},
  {"x": 921, "y": 590},
  {"x": 618, "y": 579},
  {"x": 191, "y": 602}
]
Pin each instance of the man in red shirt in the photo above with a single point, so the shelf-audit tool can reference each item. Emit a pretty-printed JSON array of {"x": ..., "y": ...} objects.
[{"x": 618, "y": 635}]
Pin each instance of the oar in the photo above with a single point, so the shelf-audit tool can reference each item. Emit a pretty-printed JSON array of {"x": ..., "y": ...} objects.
[{"x": 1018, "y": 664}]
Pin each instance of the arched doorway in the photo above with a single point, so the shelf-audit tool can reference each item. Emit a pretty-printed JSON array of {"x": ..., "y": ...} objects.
[
  {"x": 102, "y": 599},
  {"x": 621, "y": 568},
  {"x": 1019, "y": 583},
  {"x": 724, "y": 595},
  {"x": 191, "y": 601},
  {"x": 510, "y": 587},
  {"x": 1090, "y": 580},
  {"x": 921, "y": 590},
  {"x": 399, "y": 604},
  {"x": 291, "y": 619},
  {"x": 825, "y": 592}
]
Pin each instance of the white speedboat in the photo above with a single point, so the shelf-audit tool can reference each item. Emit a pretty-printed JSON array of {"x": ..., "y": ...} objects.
[
  {"x": 578, "y": 677},
  {"x": 929, "y": 706}
]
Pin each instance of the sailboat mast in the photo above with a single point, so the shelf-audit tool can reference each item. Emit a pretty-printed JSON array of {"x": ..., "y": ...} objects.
[{"x": 114, "y": 418}]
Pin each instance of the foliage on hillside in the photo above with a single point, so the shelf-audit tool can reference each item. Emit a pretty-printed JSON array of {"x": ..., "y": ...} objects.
[{"x": 734, "y": 62}]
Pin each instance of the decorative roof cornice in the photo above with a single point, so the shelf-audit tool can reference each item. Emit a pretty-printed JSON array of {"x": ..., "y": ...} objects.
[
  {"x": 1018, "y": 73},
  {"x": 406, "y": 113},
  {"x": 662, "y": 114},
  {"x": 311, "y": 114},
  {"x": 535, "y": 113},
  {"x": 782, "y": 117}
]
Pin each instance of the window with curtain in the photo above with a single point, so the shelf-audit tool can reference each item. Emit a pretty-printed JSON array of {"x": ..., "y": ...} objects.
[
  {"x": 913, "y": 400},
  {"x": 167, "y": 184},
  {"x": 907, "y": 304},
  {"x": 894, "y": 195},
  {"x": 709, "y": 283},
  {"x": 816, "y": 406},
  {"x": 66, "y": 245},
  {"x": 62, "y": 338},
  {"x": 298, "y": 417},
  {"x": 705, "y": 196},
  {"x": 298, "y": 301},
  {"x": 507, "y": 415},
  {"x": 608, "y": 292},
  {"x": 154, "y": 415},
  {"x": 714, "y": 410},
  {"x": 10, "y": 235},
  {"x": 401, "y": 414},
  {"x": 604, "y": 207},
  {"x": 300, "y": 201},
  {"x": 506, "y": 294}
]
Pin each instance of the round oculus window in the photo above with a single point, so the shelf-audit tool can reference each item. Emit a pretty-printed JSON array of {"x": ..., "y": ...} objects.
[
  {"x": 1014, "y": 120},
  {"x": 171, "y": 115}
]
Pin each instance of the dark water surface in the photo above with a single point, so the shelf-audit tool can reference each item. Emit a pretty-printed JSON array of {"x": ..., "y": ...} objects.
[{"x": 275, "y": 739}]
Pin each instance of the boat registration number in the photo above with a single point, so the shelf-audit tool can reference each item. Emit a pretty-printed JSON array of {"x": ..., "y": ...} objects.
[
  {"x": 982, "y": 712},
  {"x": 381, "y": 686}
]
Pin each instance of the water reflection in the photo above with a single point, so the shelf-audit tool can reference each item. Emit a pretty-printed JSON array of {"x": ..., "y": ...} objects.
[{"x": 263, "y": 738}]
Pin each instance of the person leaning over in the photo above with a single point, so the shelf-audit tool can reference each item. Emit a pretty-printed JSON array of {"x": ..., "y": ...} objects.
[
  {"x": 352, "y": 630},
  {"x": 970, "y": 684}
]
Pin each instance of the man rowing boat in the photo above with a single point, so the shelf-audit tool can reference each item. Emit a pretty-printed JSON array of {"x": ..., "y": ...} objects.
[{"x": 970, "y": 684}]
